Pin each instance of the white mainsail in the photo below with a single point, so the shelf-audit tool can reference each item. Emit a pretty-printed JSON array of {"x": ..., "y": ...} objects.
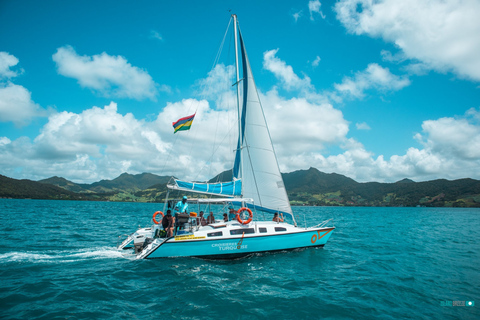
[{"x": 260, "y": 174}]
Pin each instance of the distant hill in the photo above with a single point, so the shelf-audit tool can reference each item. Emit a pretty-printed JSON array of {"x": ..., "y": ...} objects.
[
  {"x": 64, "y": 183},
  {"x": 312, "y": 180},
  {"x": 125, "y": 182},
  {"x": 12, "y": 188},
  {"x": 129, "y": 182},
  {"x": 313, "y": 187},
  {"x": 304, "y": 187}
]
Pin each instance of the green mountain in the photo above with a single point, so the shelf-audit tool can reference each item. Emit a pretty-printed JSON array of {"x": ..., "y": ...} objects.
[
  {"x": 304, "y": 187},
  {"x": 314, "y": 181},
  {"x": 128, "y": 182},
  {"x": 312, "y": 187},
  {"x": 123, "y": 183},
  {"x": 65, "y": 184},
  {"x": 21, "y": 189}
]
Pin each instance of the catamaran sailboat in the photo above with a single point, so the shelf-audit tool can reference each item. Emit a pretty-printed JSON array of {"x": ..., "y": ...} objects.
[{"x": 257, "y": 191}]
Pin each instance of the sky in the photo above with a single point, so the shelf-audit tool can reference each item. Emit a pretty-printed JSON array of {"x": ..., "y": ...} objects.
[{"x": 374, "y": 90}]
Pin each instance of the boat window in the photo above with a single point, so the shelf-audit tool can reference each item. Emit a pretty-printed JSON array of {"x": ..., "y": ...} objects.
[
  {"x": 263, "y": 230},
  {"x": 242, "y": 231},
  {"x": 215, "y": 234},
  {"x": 280, "y": 229}
]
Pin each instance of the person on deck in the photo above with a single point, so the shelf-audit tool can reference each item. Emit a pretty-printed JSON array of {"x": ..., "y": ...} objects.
[
  {"x": 201, "y": 220},
  {"x": 231, "y": 214},
  {"x": 181, "y": 206},
  {"x": 276, "y": 218},
  {"x": 210, "y": 218},
  {"x": 168, "y": 222},
  {"x": 225, "y": 217}
]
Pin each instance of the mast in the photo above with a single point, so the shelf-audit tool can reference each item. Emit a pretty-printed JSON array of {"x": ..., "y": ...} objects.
[{"x": 240, "y": 138}]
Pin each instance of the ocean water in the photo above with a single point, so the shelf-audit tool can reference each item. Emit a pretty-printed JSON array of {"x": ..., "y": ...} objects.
[{"x": 58, "y": 260}]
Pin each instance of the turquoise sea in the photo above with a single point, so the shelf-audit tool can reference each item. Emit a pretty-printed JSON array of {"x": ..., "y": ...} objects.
[{"x": 58, "y": 261}]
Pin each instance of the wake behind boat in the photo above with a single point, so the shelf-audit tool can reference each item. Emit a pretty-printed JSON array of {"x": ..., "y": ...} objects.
[{"x": 256, "y": 192}]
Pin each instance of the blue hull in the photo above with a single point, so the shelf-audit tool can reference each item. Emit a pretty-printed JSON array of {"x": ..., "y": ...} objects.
[{"x": 241, "y": 246}]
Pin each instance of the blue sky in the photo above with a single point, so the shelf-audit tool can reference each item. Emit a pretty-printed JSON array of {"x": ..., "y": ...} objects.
[{"x": 376, "y": 91}]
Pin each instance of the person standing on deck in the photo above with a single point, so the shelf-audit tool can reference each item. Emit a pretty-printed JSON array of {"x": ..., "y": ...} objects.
[
  {"x": 231, "y": 214},
  {"x": 181, "y": 206}
]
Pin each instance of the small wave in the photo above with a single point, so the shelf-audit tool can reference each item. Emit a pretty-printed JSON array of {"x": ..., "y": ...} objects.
[{"x": 62, "y": 256}]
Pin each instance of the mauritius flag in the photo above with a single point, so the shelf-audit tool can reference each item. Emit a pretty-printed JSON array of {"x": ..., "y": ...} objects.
[{"x": 183, "y": 123}]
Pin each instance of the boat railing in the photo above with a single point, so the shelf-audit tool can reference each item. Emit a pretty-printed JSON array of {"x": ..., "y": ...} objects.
[
  {"x": 121, "y": 244},
  {"x": 323, "y": 223}
]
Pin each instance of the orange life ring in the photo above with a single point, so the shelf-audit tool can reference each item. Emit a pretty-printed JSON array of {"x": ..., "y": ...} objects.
[
  {"x": 250, "y": 215},
  {"x": 155, "y": 214}
]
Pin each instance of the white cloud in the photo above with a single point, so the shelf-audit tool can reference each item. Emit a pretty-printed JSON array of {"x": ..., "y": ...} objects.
[
  {"x": 314, "y": 7},
  {"x": 4, "y": 141},
  {"x": 217, "y": 86},
  {"x": 441, "y": 34},
  {"x": 297, "y": 15},
  {"x": 155, "y": 35},
  {"x": 388, "y": 56},
  {"x": 17, "y": 106},
  {"x": 111, "y": 76},
  {"x": 316, "y": 62},
  {"x": 101, "y": 143},
  {"x": 284, "y": 72},
  {"x": 451, "y": 150},
  {"x": 474, "y": 114},
  {"x": 362, "y": 126},
  {"x": 95, "y": 144},
  {"x": 375, "y": 77},
  {"x": 300, "y": 127},
  {"x": 6, "y": 62},
  {"x": 96, "y": 131},
  {"x": 456, "y": 137}
]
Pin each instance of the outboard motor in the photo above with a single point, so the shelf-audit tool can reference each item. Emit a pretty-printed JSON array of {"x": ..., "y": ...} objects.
[{"x": 140, "y": 242}]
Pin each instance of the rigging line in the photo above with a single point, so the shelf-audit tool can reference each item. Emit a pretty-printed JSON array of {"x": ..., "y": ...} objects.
[
  {"x": 190, "y": 150},
  {"x": 203, "y": 88},
  {"x": 219, "y": 53},
  {"x": 217, "y": 58},
  {"x": 226, "y": 89},
  {"x": 218, "y": 147},
  {"x": 203, "y": 93}
]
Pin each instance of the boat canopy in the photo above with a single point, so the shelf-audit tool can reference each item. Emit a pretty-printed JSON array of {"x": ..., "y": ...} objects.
[{"x": 230, "y": 188}]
